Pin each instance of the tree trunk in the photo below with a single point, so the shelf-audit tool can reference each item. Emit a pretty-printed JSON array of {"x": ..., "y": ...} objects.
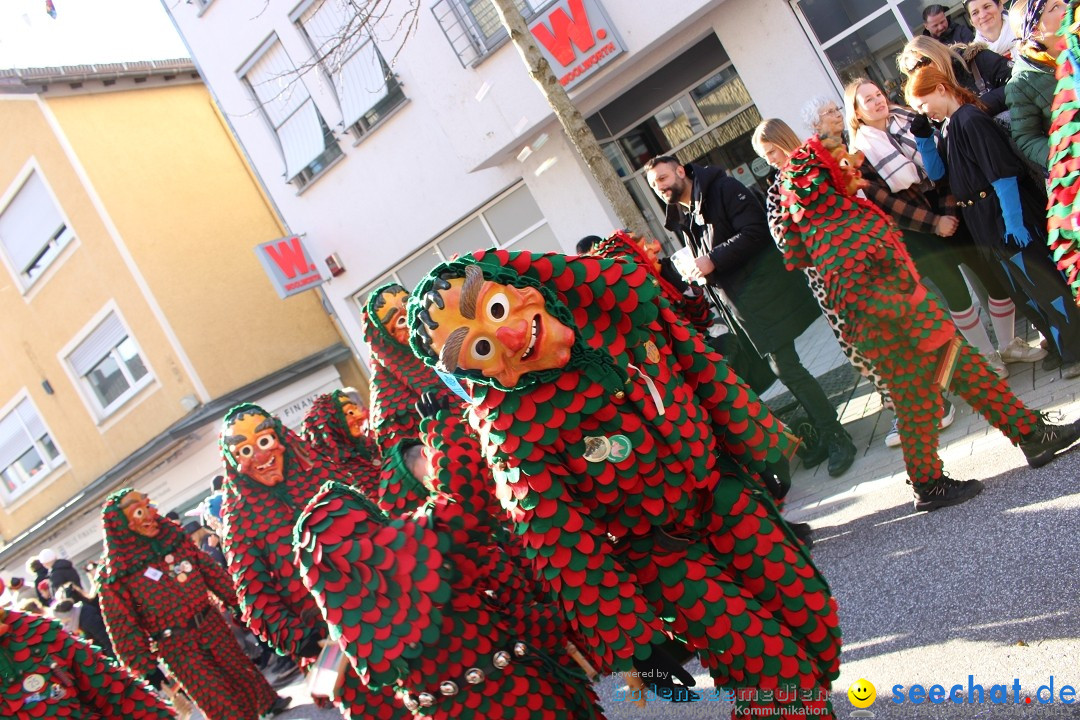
[{"x": 572, "y": 123}]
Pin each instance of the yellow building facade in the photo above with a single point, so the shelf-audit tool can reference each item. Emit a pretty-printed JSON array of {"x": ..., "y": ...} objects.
[{"x": 133, "y": 308}]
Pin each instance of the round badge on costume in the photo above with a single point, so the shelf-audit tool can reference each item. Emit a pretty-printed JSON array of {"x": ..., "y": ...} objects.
[
  {"x": 186, "y": 566},
  {"x": 652, "y": 353},
  {"x": 182, "y": 577},
  {"x": 169, "y": 559},
  {"x": 33, "y": 683},
  {"x": 597, "y": 448},
  {"x": 620, "y": 448}
]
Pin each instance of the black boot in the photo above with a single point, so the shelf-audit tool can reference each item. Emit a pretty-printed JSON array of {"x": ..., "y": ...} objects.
[
  {"x": 804, "y": 532},
  {"x": 1045, "y": 441},
  {"x": 841, "y": 452},
  {"x": 945, "y": 491},
  {"x": 814, "y": 450}
]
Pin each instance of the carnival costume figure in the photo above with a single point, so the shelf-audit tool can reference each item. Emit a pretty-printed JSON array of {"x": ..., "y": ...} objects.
[
  {"x": 896, "y": 324},
  {"x": 336, "y": 427},
  {"x": 405, "y": 599},
  {"x": 398, "y": 378},
  {"x": 1064, "y": 216},
  {"x": 629, "y": 457},
  {"x": 271, "y": 474},
  {"x": 156, "y": 588},
  {"x": 47, "y": 673}
]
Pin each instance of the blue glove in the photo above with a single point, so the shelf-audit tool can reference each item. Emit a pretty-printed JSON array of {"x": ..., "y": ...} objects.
[
  {"x": 931, "y": 159},
  {"x": 1009, "y": 197}
]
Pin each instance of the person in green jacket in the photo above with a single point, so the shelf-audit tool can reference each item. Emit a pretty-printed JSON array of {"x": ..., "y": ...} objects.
[{"x": 1030, "y": 91}]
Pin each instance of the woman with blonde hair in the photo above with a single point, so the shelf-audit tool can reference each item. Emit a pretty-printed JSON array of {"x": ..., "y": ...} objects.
[
  {"x": 1004, "y": 206},
  {"x": 973, "y": 66}
]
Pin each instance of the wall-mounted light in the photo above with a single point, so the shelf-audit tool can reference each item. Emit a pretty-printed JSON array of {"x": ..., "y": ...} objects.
[
  {"x": 333, "y": 264},
  {"x": 47, "y": 387}
]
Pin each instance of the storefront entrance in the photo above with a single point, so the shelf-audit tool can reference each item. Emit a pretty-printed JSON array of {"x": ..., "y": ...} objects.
[{"x": 706, "y": 118}]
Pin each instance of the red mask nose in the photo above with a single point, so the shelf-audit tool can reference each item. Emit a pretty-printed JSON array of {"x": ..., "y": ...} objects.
[{"x": 513, "y": 338}]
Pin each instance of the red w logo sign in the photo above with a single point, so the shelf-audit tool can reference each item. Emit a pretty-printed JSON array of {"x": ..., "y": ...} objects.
[
  {"x": 566, "y": 30},
  {"x": 290, "y": 257}
]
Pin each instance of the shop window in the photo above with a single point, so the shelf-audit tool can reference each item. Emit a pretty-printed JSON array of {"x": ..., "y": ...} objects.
[
  {"x": 307, "y": 144},
  {"x": 32, "y": 230},
  {"x": 27, "y": 451}
]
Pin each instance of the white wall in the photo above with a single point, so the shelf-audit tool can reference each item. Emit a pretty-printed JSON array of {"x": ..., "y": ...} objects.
[{"x": 445, "y": 152}]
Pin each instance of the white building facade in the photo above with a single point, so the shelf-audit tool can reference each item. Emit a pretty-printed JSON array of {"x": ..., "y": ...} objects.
[{"x": 391, "y": 153}]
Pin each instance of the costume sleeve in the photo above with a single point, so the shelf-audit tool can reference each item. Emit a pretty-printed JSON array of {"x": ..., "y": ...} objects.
[
  {"x": 459, "y": 469},
  {"x": 743, "y": 424},
  {"x": 749, "y": 225},
  {"x": 109, "y": 690},
  {"x": 995, "y": 71},
  {"x": 1029, "y": 125},
  {"x": 263, "y": 608},
  {"x": 903, "y": 207},
  {"x": 130, "y": 641},
  {"x": 216, "y": 579}
]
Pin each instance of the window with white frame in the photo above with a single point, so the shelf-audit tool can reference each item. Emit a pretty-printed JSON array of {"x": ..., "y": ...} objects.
[
  {"x": 366, "y": 89},
  {"x": 32, "y": 230},
  {"x": 27, "y": 451},
  {"x": 512, "y": 221},
  {"x": 307, "y": 144},
  {"x": 109, "y": 365},
  {"x": 473, "y": 27}
]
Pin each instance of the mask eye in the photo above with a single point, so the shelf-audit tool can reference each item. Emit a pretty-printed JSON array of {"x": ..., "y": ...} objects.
[
  {"x": 498, "y": 307},
  {"x": 139, "y": 513},
  {"x": 265, "y": 442},
  {"x": 401, "y": 320},
  {"x": 246, "y": 451},
  {"x": 481, "y": 349}
]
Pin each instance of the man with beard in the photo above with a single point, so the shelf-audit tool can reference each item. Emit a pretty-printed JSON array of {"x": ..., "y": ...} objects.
[
  {"x": 155, "y": 598},
  {"x": 726, "y": 227},
  {"x": 271, "y": 474}
]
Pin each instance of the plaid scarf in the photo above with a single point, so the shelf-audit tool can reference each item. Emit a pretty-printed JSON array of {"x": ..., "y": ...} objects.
[{"x": 893, "y": 153}]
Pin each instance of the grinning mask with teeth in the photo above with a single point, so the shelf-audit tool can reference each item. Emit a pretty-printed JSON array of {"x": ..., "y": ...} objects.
[
  {"x": 500, "y": 331},
  {"x": 252, "y": 440}
]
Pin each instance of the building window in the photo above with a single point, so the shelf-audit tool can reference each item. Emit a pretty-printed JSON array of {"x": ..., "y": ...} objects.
[
  {"x": 307, "y": 144},
  {"x": 861, "y": 38},
  {"x": 109, "y": 365},
  {"x": 366, "y": 89},
  {"x": 27, "y": 451},
  {"x": 472, "y": 26},
  {"x": 32, "y": 230},
  {"x": 512, "y": 221}
]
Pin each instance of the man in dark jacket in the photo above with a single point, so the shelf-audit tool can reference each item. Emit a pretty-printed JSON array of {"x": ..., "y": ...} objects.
[
  {"x": 941, "y": 28},
  {"x": 725, "y": 225}
]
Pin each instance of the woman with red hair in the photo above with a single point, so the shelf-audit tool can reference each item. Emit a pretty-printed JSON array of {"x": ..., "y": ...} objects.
[{"x": 1001, "y": 202}]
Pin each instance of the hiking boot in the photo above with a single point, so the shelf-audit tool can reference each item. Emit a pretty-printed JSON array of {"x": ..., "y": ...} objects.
[
  {"x": 944, "y": 492},
  {"x": 1045, "y": 441},
  {"x": 813, "y": 451},
  {"x": 841, "y": 453}
]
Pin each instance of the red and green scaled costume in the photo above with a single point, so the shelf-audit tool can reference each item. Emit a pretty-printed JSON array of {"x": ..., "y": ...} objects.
[
  {"x": 47, "y": 673},
  {"x": 405, "y": 599},
  {"x": 398, "y": 378},
  {"x": 327, "y": 431},
  {"x": 258, "y": 526},
  {"x": 694, "y": 308},
  {"x": 676, "y": 536},
  {"x": 155, "y": 599},
  {"x": 1064, "y": 215},
  {"x": 871, "y": 282}
]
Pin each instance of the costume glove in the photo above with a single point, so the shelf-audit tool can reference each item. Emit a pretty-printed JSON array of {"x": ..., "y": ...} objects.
[
  {"x": 921, "y": 127},
  {"x": 430, "y": 404},
  {"x": 1009, "y": 197},
  {"x": 659, "y": 671}
]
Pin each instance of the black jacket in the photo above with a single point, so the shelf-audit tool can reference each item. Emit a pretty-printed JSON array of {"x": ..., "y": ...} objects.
[
  {"x": 995, "y": 72},
  {"x": 62, "y": 573},
  {"x": 955, "y": 33},
  {"x": 727, "y": 221}
]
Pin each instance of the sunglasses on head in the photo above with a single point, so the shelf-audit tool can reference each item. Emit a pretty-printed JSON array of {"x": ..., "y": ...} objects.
[{"x": 921, "y": 62}]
